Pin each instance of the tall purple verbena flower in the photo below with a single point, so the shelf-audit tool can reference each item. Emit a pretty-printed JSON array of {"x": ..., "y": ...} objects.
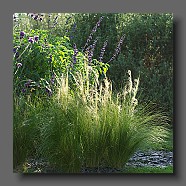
[
  {"x": 93, "y": 31},
  {"x": 103, "y": 51},
  {"x": 73, "y": 29},
  {"x": 118, "y": 48},
  {"x": 23, "y": 90},
  {"x": 90, "y": 51},
  {"x": 75, "y": 54}
]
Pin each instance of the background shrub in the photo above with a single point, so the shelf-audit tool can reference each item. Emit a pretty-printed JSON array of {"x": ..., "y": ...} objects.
[
  {"x": 148, "y": 51},
  {"x": 37, "y": 63}
]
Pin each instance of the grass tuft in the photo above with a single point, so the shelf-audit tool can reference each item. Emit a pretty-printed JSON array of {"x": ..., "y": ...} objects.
[{"x": 94, "y": 128}]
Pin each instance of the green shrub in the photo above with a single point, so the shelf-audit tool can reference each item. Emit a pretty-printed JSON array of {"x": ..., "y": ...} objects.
[
  {"x": 41, "y": 60},
  {"x": 148, "y": 50}
]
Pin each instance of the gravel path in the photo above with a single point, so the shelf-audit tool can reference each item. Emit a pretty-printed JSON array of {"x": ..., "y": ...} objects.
[
  {"x": 151, "y": 158},
  {"x": 139, "y": 159}
]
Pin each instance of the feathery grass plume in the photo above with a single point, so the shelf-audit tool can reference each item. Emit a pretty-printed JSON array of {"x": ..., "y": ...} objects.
[
  {"x": 91, "y": 127},
  {"x": 26, "y": 131}
]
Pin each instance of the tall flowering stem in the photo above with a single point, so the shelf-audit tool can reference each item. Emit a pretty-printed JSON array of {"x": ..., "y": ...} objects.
[
  {"x": 93, "y": 31},
  {"x": 90, "y": 51},
  {"x": 73, "y": 31},
  {"x": 75, "y": 54},
  {"x": 103, "y": 51},
  {"x": 118, "y": 49}
]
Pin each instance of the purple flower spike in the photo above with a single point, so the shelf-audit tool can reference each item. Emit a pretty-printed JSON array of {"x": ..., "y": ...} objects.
[
  {"x": 22, "y": 34},
  {"x": 93, "y": 31},
  {"x": 118, "y": 49},
  {"x": 36, "y": 38},
  {"x": 31, "y": 39},
  {"x": 75, "y": 53},
  {"x": 103, "y": 51}
]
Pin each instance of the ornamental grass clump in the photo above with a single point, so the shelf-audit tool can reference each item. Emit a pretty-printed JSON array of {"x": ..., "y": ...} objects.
[
  {"x": 92, "y": 127},
  {"x": 26, "y": 133}
]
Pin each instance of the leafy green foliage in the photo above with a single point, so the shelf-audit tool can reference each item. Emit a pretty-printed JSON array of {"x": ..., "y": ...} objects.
[
  {"x": 147, "y": 50},
  {"x": 49, "y": 55}
]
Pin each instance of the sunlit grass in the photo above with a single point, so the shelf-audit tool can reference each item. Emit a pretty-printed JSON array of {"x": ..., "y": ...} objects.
[
  {"x": 93, "y": 128},
  {"x": 149, "y": 170}
]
